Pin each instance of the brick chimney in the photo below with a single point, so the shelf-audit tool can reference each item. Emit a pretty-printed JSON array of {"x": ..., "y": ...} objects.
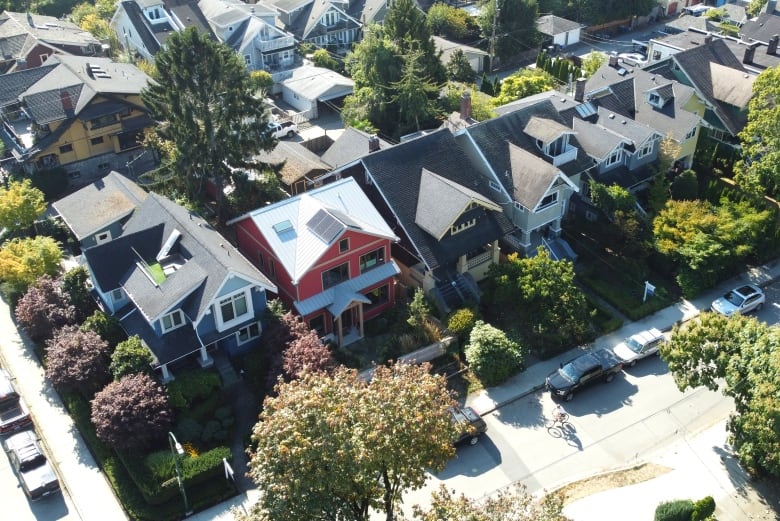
[
  {"x": 373, "y": 143},
  {"x": 579, "y": 89},
  {"x": 465, "y": 105},
  {"x": 708, "y": 39},
  {"x": 750, "y": 52},
  {"x": 67, "y": 103},
  {"x": 772, "y": 47}
]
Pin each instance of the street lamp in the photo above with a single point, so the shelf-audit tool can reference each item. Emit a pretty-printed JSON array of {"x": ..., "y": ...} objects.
[{"x": 176, "y": 451}]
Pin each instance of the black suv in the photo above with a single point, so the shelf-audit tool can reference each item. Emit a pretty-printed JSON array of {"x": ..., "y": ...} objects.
[{"x": 470, "y": 425}]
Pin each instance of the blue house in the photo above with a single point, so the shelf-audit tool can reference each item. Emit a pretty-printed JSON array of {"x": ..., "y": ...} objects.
[{"x": 179, "y": 285}]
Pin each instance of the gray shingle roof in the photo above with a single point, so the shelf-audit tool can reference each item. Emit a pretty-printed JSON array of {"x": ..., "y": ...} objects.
[
  {"x": 47, "y": 29},
  {"x": 397, "y": 173},
  {"x": 493, "y": 135},
  {"x": 142, "y": 27},
  {"x": 545, "y": 130},
  {"x": 298, "y": 161},
  {"x": 762, "y": 28},
  {"x": 350, "y": 146},
  {"x": 534, "y": 176},
  {"x": 552, "y": 25},
  {"x": 100, "y": 204},
  {"x": 209, "y": 259},
  {"x": 597, "y": 141}
]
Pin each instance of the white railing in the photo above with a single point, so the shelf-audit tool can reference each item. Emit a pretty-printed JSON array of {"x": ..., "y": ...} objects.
[
  {"x": 274, "y": 44},
  {"x": 570, "y": 154},
  {"x": 482, "y": 258}
]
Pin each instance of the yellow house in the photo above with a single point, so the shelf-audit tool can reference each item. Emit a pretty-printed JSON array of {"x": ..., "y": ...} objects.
[{"x": 83, "y": 114}]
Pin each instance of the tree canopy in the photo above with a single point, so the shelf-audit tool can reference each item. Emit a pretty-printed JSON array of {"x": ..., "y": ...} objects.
[
  {"x": 44, "y": 308},
  {"x": 23, "y": 260},
  {"x": 515, "y": 25},
  {"x": 491, "y": 355},
  {"x": 739, "y": 356},
  {"x": 525, "y": 82},
  {"x": 759, "y": 172},
  {"x": 132, "y": 412},
  {"x": 707, "y": 241},
  {"x": 537, "y": 295},
  {"x": 204, "y": 101},
  {"x": 77, "y": 361},
  {"x": 20, "y": 204},
  {"x": 334, "y": 446},
  {"x": 131, "y": 356}
]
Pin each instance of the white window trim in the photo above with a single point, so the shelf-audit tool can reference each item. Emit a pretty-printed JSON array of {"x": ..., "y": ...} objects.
[
  {"x": 646, "y": 149},
  {"x": 173, "y": 326},
  {"x": 102, "y": 237},
  {"x": 614, "y": 158},
  {"x": 250, "y": 312},
  {"x": 120, "y": 297},
  {"x": 463, "y": 226},
  {"x": 554, "y": 201},
  {"x": 249, "y": 337}
]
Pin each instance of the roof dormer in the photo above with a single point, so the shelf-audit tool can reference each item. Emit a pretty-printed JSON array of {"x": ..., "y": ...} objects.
[
  {"x": 659, "y": 96},
  {"x": 552, "y": 138}
]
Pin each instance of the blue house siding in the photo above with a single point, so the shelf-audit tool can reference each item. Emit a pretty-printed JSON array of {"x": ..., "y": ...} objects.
[{"x": 233, "y": 285}]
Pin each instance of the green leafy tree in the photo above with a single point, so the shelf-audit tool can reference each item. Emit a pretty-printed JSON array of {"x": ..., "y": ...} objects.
[
  {"x": 759, "y": 172},
  {"x": 755, "y": 7},
  {"x": 335, "y": 447},
  {"x": 74, "y": 283},
  {"x": 418, "y": 309},
  {"x": 515, "y": 25},
  {"x": 448, "y": 21},
  {"x": 481, "y": 103},
  {"x": 739, "y": 356},
  {"x": 592, "y": 62},
  {"x": 106, "y": 326},
  {"x": 203, "y": 99},
  {"x": 525, "y": 82},
  {"x": 405, "y": 25},
  {"x": 510, "y": 504},
  {"x": 611, "y": 198},
  {"x": 131, "y": 356},
  {"x": 491, "y": 355},
  {"x": 459, "y": 68},
  {"x": 22, "y": 261},
  {"x": 416, "y": 95},
  {"x": 685, "y": 186},
  {"x": 20, "y": 205},
  {"x": 262, "y": 80},
  {"x": 706, "y": 241},
  {"x": 322, "y": 58},
  {"x": 538, "y": 296},
  {"x": 462, "y": 321}
]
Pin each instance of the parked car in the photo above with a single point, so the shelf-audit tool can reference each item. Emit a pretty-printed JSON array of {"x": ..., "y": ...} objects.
[
  {"x": 281, "y": 129},
  {"x": 31, "y": 466},
  {"x": 14, "y": 414},
  {"x": 470, "y": 424},
  {"x": 743, "y": 299},
  {"x": 639, "y": 346},
  {"x": 595, "y": 366}
]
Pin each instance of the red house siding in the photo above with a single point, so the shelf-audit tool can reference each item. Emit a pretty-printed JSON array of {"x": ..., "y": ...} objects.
[{"x": 254, "y": 246}]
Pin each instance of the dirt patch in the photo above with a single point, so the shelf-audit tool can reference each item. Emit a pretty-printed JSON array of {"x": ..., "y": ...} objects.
[{"x": 620, "y": 478}]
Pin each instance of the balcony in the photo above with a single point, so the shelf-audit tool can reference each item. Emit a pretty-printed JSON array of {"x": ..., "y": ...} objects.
[
  {"x": 482, "y": 258},
  {"x": 274, "y": 44},
  {"x": 569, "y": 154}
]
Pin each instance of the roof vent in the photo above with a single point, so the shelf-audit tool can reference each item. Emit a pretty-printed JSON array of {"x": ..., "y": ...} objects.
[
  {"x": 611, "y": 116},
  {"x": 623, "y": 122}
]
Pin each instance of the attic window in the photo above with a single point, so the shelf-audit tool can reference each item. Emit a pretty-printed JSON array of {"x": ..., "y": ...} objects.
[
  {"x": 655, "y": 100},
  {"x": 457, "y": 228},
  {"x": 494, "y": 186}
]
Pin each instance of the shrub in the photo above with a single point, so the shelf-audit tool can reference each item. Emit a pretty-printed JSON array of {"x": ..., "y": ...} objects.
[
  {"x": 461, "y": 322},
  {"x": 44, "y": 308},
  {"x": 677, "y": 510},
  {"x": 74, "y": 283},
  {"x": 703, "y": 509},
  {"x": 131, "y": 413},
  {"x": 191, "y": 385},
  {"x": 491, "y": 355},
  {"x": 77, "y": 360},
  {"x": 130, "y": 357},
  {"x": 106, "y": 326}
]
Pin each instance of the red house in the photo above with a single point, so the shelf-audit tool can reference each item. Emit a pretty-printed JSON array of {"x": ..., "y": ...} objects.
[{"x": 328, "y": 251}]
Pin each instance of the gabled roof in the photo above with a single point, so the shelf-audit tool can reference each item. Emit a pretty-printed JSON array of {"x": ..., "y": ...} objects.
[
  {"x": 533, "y": 176},
  {"x": 697, "y": 65},
  {"x": 142, "y": 26},
  {"x": 301, "y": 229},
  {"x": 544, "y": 129},
  {"x": 627, "y": 96},
  {"x": 552, "y": 25},
  {"x": 632, "y": 131},
  {"x": 441, "y": 201},
  {"x": 762, "y": 28},
  {"x": 100, "y": 204},
  {"x": 350, "y": 146},
  {"x": 492, "y": 136},
  {"x": 318, "y": 83},
  {"x": 48, "y": 29},
  {"x": 397, "y": 174},
  {"x": 560, "y": 101},
  {"x": 298, "y": 161},
  {"x": 67, "y": 84},
  {"x": 448, "y": 48},
  {"x": 368, "y": 11},
  {"x": 207, "y": 260},
  {"x": 596, "y": 140}
]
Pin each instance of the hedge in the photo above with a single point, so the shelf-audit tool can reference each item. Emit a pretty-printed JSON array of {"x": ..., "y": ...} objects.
[{"x": 677, "y": 510}]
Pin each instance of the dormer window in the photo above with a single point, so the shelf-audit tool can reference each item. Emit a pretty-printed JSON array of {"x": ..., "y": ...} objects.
[
  {"x": 614, "y": 157},
  {"x": 645, "y": 150},
  {"x": 655, "y": 100}
]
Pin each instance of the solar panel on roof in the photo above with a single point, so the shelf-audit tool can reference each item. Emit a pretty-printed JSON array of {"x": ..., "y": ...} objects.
[{"x": 324, "y": 226}]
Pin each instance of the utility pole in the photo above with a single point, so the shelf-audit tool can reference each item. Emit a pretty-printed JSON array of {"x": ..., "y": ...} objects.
[{"x": 493, "y": 36}]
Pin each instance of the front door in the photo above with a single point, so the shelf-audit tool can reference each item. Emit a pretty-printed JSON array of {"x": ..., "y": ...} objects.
[{"x": 347, "y": 321}]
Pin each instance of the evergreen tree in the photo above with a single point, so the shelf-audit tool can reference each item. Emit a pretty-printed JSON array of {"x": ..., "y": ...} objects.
[{"x": 203, "y": 99}]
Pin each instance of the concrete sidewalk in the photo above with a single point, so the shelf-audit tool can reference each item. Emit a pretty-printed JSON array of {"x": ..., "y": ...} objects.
[
  {"x": 532, "y": 379},
  {"x": 91, "y": 494}
]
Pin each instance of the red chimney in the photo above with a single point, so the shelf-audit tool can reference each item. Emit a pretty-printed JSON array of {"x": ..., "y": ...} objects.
[
  {"x": 373, "y": 144},
  {"x": 67, "y": 104}
]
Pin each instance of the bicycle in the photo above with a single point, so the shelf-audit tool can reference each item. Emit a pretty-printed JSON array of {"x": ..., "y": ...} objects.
[{"x": 560, "y": 417}]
